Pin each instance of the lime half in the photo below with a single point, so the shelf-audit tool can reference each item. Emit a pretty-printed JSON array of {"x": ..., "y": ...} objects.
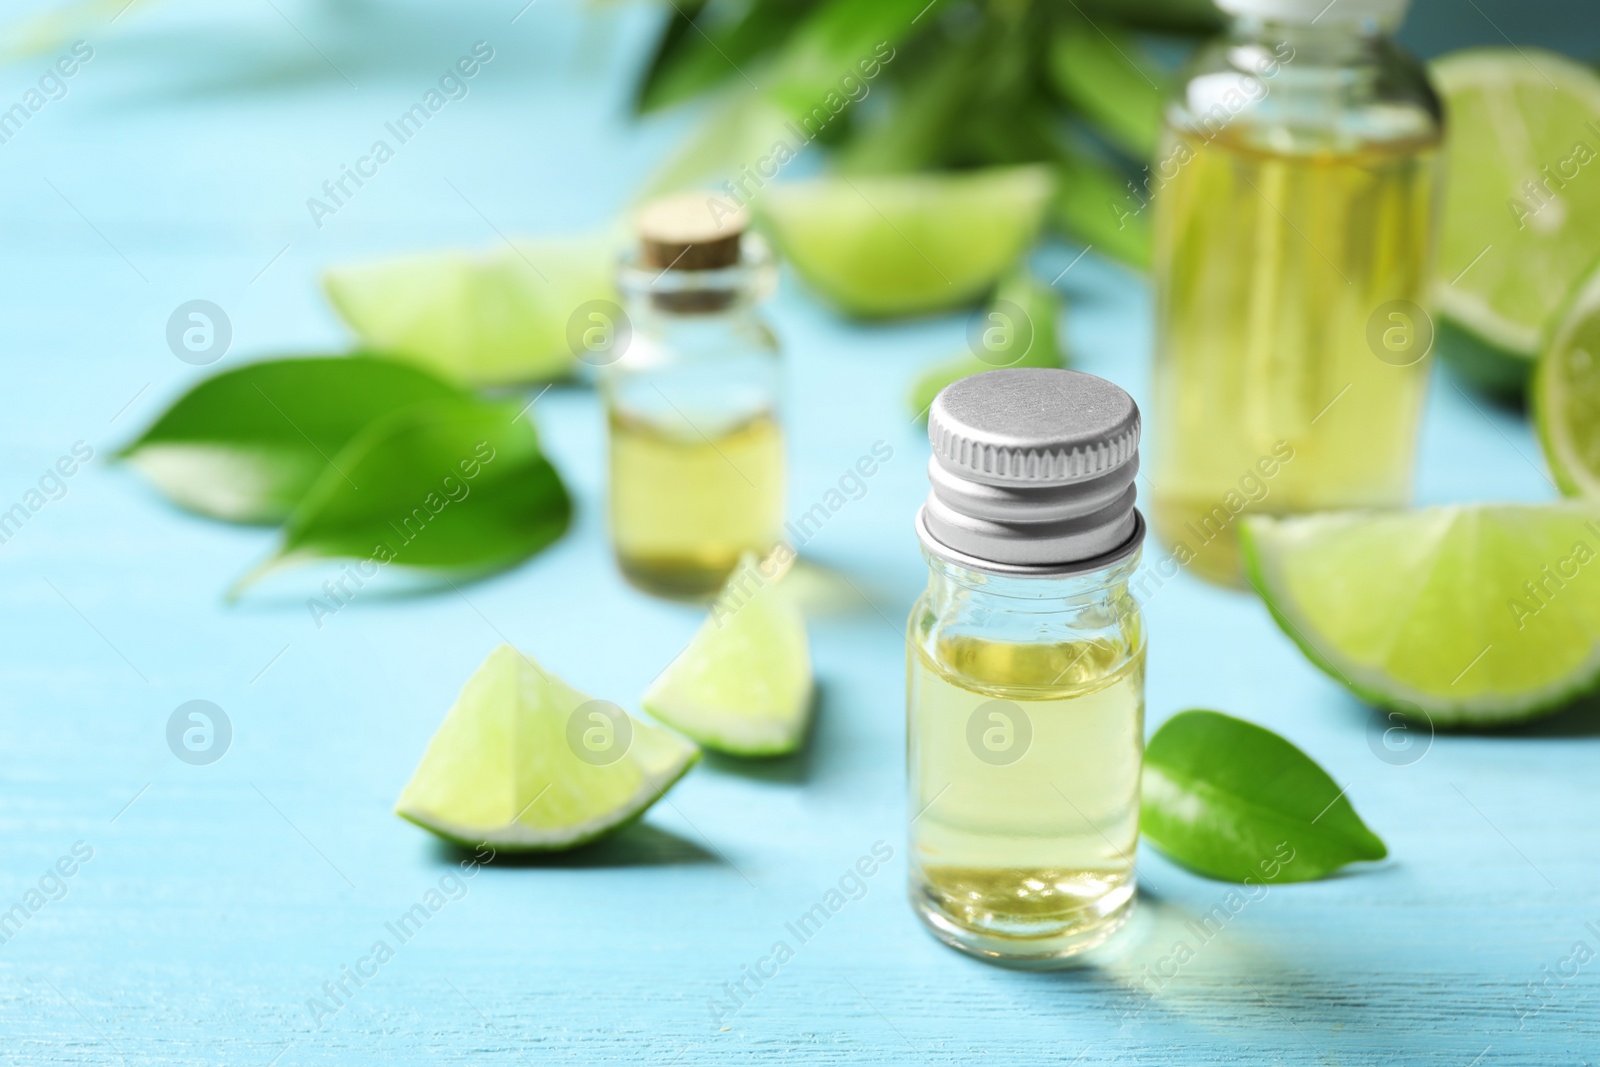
[
  {"x": 743, "y": 684},
  {"x": 910, "y": 243},
  {"x": 1468, "y": 615},
  {"x": 524, "y": 762},
  {"x": 1566, "y": 393},
  {"x": 1521, "y": 214}
]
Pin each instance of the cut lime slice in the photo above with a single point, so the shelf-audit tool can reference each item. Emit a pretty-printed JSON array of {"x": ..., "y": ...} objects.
[
  {"x": 495, "y": 319},
  {"x": 1467, "y": 615},
  {"x": 523, "y": 762},
  {"x": 743, "y": 684},
  {"x": 1566, "y": 393},
  {"x": 911, "y": 243},
  {"x": 1521, "y": 214}
]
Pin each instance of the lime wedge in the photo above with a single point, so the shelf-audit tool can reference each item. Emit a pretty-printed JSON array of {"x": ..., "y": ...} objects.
[
  {"x": 743, "y": 684},
  {"x": 1566, "y": 393},
  {"x": 1467, "y": 615},
  {"x": 523, "y": 762},
  {"x": 495, "y": 319},
  {"x": 910, "y": 243},
  {"x": 1521, "y": 215}
]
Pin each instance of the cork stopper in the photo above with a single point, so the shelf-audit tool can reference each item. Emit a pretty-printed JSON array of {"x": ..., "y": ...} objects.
[{"x": 690, "y": 231}]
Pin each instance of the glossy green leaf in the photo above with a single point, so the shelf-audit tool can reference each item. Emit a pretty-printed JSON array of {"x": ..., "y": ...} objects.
[
  {"x": 697, "y": 53},
  {"x": 459, "y": 486},
  {"x": 975, "y": 101},
  {"x": 1100, "y": 71},
  {"x": 919, "y": 125},
  {"x": 1234, "y": 801},
  {"x": 245, "y": 445},
  {"x": 842, "y": 38},
  {"x": 480, "y": 319},
  {"x": 1018, "y": 329},
  {"x": 1168, "y": 16},
  {"x": 1100, "y": 207},
  {"x": 673, "y": 41},
  {"x": 804, "y": 94}
]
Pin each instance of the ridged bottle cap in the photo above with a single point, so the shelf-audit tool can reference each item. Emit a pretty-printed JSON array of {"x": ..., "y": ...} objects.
[{"x": 1032, "y": 470}]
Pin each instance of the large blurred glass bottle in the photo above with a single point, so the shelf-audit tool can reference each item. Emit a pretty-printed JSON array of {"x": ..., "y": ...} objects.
[{"x": 1294, "y": 193}]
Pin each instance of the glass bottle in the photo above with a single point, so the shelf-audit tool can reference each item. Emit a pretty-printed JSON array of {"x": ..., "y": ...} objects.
[
  {"x": 696, "y": 446},
  {"x": 1025, "y": 674},
  {"x": 1294, "y": 197}
]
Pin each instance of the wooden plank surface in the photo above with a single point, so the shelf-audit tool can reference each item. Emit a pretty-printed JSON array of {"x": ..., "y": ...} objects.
[{"x": 216, "y": 901}]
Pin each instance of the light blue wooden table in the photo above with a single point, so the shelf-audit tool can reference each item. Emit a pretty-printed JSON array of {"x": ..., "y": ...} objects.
[{"x": 217, "y": 900}]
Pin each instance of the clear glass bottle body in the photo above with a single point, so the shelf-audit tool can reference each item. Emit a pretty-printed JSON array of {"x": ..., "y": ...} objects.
[
  {"x": 1025, "y": 739},
  {"x": 1294, "y": 197},
  {"x": 696, "y": 452}
]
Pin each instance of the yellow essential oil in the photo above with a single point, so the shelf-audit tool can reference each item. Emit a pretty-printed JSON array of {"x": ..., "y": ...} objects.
[
  {"x": 691, "y": 381},
  {"x": 1294, "y": 233},
  {"x": 1026, "y": 837},
  {"x": 686, "y": 506},
  {"x": 1025, "y": 668}
]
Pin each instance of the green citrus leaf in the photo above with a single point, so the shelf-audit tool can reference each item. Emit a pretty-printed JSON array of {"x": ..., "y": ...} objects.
[
  {"x": 459, "y": 486},
  {"x": 720, "y": 42},
  {"x": 1167, "y": 16},
  {"x": 1095, "y": 206},
  {"x": 1234, "y": 801},
  {"x": 245, "y": 445},
  {"x": 834, "y": 43},
  {"x": 809, "y": 89},
  {"x": 919, "y": 126},
  {"x": 1102, "y": 72},
  {"x": 675, "y": 38}
]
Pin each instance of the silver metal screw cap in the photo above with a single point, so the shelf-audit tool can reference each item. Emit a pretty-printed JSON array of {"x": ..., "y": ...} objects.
[{"x": 1032, "y": 469}]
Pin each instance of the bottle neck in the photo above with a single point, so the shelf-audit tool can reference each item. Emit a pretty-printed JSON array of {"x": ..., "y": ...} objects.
[
  {"x": 1290, "y": 88},
  {"x": 1330, "y": 44},
  {"x": 670, "y": 295},
  {"x": 693, "y": 323},
  {"x": 950, "y": 583}
]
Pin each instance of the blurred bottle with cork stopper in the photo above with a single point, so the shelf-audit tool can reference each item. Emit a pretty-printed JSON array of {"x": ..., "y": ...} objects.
[{"x": 692, "y": 404}]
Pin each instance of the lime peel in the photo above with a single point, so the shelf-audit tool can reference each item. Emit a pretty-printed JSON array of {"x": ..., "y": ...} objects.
[
  {"x": 1513, "y": 239},
  {"x": 908, "y": 244},
  {"x": 1566, "y": 393},
  {"x": 743, "y": 684},
  {"x": 1466, "y": 615},
  {"x": 508, "y": 766}
]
